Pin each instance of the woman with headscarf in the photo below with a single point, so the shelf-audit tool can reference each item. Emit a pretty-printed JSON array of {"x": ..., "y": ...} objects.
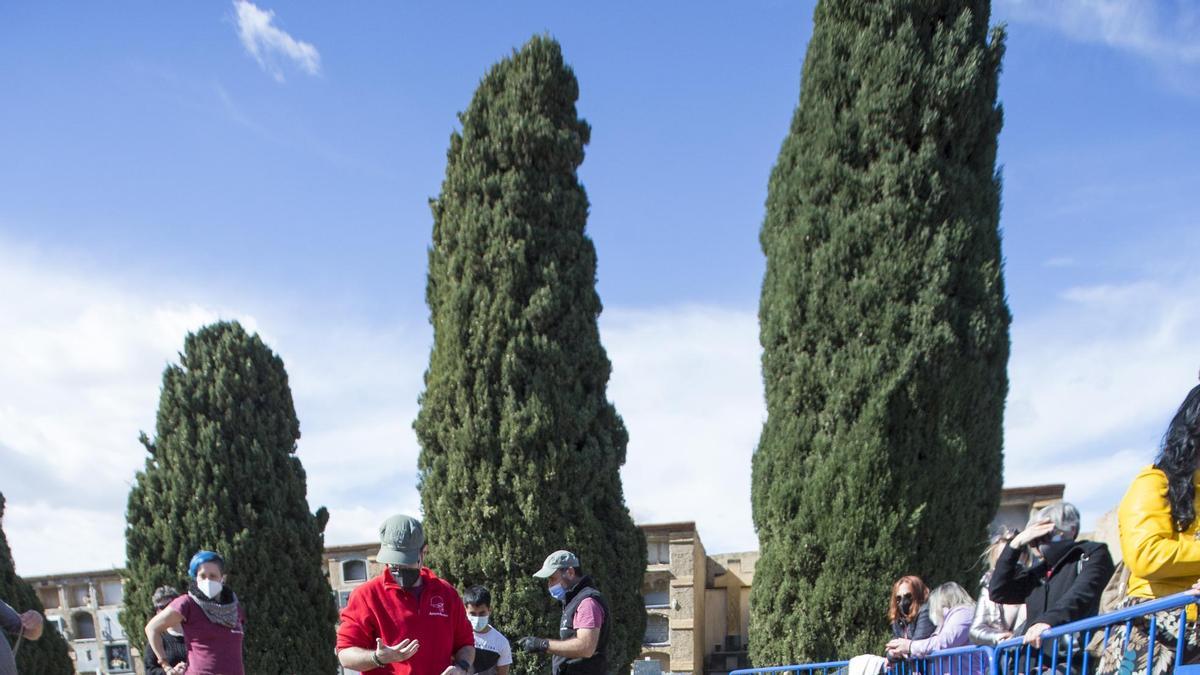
[{"x": 211, "y": 618}]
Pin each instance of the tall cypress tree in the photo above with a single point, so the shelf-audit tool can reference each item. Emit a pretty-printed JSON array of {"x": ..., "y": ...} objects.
[
  {"x": 883, "y": 324},
  {"x": 49, "y": 654},
  {"x": 520, "y": 447},
  {"x": 222, "y": 474}
]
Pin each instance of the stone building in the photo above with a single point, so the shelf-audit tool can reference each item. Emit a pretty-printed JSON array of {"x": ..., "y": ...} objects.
[
  {"x": 85, "y": 607},
  {"x": 697, "y": 605},
  {"x": 1018, "y": 504}
]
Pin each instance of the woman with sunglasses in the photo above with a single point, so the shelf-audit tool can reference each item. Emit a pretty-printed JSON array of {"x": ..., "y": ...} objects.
[{"x": 909, "y": 610}]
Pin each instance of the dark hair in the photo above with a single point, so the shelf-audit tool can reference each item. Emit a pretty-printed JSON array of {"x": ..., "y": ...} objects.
[
  {"x": 1177, "y": 459},
  {"x": 163, "y": 595},
  {"x": 477, "y": 595}
]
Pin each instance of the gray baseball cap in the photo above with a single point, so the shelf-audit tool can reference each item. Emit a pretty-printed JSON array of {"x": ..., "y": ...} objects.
[
  {"x": 400, "y": 540},
  {"x": 556, "y": 561}
]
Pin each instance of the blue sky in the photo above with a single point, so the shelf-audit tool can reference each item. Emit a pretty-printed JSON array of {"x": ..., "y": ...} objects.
[{"x": 166, "y": 164}]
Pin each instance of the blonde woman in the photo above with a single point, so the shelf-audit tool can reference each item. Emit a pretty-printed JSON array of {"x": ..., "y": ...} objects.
[
  {"x": 951, "y": 609},
  {"x": 994, "y": 622}
]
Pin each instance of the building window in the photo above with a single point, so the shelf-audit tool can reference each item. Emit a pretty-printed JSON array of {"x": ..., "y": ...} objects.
[
  {"x": 343, "y": 599},
  {"x": 111, "y": 593},
  {"x": 657, "y": 593},
  {"x": 354, "y": 571},
  {"x": 49, "y": 597},
  {"x": 78, "y": 596},
  {"x": 85, "y": 626},
  {"x": 658, "y": 630},
  {"x": 658, "y": 552}
]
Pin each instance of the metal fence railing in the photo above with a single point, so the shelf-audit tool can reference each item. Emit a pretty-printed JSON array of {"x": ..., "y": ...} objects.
[
  {"x": 972, "y": 660},
  {"x": 1070, "y": 649},
  {"x": 828, "y": 668}
]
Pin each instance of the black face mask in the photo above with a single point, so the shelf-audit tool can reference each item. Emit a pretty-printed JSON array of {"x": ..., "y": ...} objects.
[
  {"x": 1053, "y": 551},
  {"x": 407, "y": 576},
  {"x": 906, "y": 605}
]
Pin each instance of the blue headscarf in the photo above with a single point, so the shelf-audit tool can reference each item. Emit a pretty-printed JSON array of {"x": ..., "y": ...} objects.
[{"x": 202, "y": 557}]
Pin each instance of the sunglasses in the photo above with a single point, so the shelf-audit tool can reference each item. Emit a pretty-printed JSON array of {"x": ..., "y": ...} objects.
[{"x": 902, "y": 598}]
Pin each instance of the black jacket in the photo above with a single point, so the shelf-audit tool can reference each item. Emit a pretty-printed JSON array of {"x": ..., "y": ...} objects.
[
  {"x": 597, "y": 663},
  {"x": 1069, "y": 593},
  {"x": 918, "y": 630},
  {"x": 175, "y": 649}
]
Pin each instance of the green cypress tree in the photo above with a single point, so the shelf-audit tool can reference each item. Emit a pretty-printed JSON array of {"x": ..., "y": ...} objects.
[
  {"x": 520, "y": 447},
  {"x": 883, "y": 325},
  {"x": 49, "y": 654},
  {"x": 222, "y": 474}
]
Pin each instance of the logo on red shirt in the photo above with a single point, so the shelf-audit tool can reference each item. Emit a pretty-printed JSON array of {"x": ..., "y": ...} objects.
[{"x": 437, "y": 606}]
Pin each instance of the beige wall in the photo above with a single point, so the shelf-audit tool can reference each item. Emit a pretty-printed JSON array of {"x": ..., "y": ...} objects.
[{"x": 684, "y": 573}]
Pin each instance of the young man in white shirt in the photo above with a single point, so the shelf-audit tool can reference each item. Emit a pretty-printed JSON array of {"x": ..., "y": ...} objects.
[{"x": 493, "y": 655}]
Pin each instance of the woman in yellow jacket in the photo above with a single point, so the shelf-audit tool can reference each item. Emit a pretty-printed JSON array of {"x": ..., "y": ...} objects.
[{"x": 1160, "y": 541}]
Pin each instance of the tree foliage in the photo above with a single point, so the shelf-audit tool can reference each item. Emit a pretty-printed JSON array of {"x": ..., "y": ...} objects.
[
  {"x": 222, "y": 474},
  {"x": 883, "y": 325},
  {"x": 520, "y": 447},
  {"x": 49, "y": 654}
]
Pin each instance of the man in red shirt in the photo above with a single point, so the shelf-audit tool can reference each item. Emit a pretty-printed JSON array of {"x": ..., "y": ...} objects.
[{"x": 405, "y": 621}]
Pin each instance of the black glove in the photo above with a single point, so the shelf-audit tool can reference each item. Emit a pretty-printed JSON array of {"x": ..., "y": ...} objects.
[{"x": 533, "y": 645}]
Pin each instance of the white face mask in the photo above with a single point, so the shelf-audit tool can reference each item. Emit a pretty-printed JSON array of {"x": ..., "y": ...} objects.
[
  {"x": 209, "y": 587},
  {"x": 478, "y": 622}
]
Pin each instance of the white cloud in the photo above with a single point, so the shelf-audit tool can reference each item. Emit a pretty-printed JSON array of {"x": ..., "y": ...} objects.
[
  {"x": 1167, "y": 33},
  {"x": 686, "y": 381},
  {"x": 268, "y": 43},
  {"x": 82, "y": 357},
  {"x": 1094, "y": 379}
]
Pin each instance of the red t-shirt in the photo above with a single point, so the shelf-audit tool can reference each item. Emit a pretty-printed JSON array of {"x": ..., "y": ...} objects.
[
  {"x": 589, "y": 614},
  {"x": 212, "y": 649},
  {"x": 435, "y": 617}
]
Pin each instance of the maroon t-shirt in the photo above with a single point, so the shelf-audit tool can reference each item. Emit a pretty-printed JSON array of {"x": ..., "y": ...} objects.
[{"x": 212, "y": 649}]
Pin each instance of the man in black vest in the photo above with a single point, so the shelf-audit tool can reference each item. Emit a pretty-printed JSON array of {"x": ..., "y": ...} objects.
[{"x": 583, "y": 632}]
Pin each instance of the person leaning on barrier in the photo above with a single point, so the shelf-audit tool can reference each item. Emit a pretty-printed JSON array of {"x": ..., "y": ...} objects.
[
  {"x": 1160, "y": 543},
  {"x": 583, "y": 632},
  {"x": 951, "y": 610},
  {"x": 909, "y": 609},
  {"x": 1064, "y": 581},
  {"x": 994, "y": 622}
]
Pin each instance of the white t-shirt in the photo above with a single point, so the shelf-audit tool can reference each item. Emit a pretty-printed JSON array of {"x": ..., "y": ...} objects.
[{"x": 491, "y": 650}]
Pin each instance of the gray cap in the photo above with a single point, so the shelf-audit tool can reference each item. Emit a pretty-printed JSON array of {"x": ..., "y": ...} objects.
[
  {"x": 400, "y": 540},
  {"x": 556, "y": 561}
]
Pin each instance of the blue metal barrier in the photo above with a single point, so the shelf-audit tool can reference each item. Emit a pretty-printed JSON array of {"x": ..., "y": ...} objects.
[
  {"x": 828, "y": 668},
  {"x": 1065, "y": 649},
  {"x": 971, "y": 660}
]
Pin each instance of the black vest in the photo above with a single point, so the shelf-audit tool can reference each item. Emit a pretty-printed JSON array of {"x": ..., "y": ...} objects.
[{"x": 596, "y": 664}]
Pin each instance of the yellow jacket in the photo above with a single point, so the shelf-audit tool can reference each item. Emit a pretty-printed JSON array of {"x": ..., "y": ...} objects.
[{"x": 1161, "y": 560}]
